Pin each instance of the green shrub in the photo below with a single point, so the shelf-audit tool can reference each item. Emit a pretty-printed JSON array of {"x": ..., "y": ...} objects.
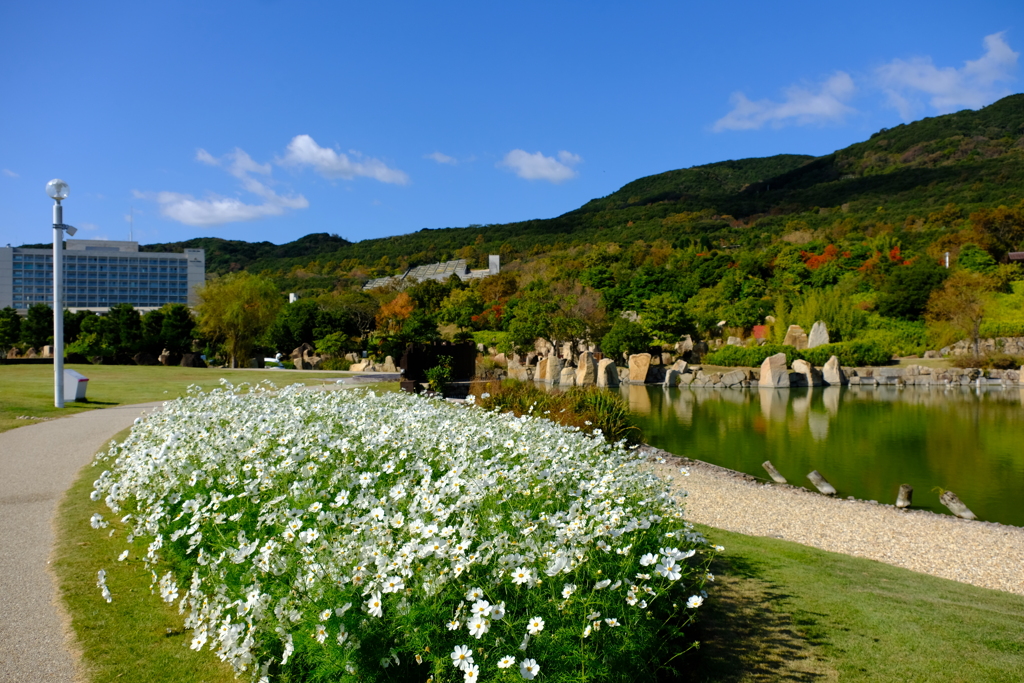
[
  {"x": 440, "y": 375},
  {"x": 989, "y": 361},
  {"x": 990, "y": 330},
  {"x": 733, "y": 356},
  {"x": 855, "y": 353},
  {"x": 627, "y": 337},
  {"x": 588, "y": 408},
  {"x": 336, "y": 364}
]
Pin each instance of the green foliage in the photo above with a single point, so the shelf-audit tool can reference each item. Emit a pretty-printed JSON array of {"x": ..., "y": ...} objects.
[
  {"x": 832, "y": 306},
  {"x": 37, "y": 326},
  {"x": 440, "y": 375},
  {"x": 976, "y": 260},
  {"x": 753, "y": 356},
  {"x": 10, "y": 329},
  {"x": 334, "y": 344},
  {"x": 853, "y": 353},
  {"x": 460, "y": 307},
  {"x": 587, "y": 408},
  {"x": 664, "y": 318},
  {"x": 990, "y": 329},
  {"x": 905, "y": 293},
  {"x": 899, "y": 337},
  {"x": 625, "y": 337},
  {"x": 237, "y": 308}
]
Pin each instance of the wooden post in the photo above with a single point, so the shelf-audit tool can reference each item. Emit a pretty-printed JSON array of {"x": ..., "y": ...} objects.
[
  {"x": 950, "y": 500},
  {"x": 774, "y": 473},
  {"x": 905, "y": 495},
  {"x": 820, "y": 483}
]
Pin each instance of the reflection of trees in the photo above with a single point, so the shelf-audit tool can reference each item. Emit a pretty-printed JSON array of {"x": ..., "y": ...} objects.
[{"x": 876, "y": 439}]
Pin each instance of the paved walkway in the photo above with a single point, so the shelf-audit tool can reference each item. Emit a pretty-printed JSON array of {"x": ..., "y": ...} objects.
[{"x": 38, "y": 463}]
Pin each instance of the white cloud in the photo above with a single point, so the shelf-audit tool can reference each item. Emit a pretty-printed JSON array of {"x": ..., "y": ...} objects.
[
  {"x": 974, "y": 85},
  {"x": 10, "y": 174},
  {"x": 303, "y": 151},
  {"x": 442, "y": 158},
  {"x": 801, "y": 106},
  {"x": 217, "y": 210},
  {"x": 536, "y": 166}
]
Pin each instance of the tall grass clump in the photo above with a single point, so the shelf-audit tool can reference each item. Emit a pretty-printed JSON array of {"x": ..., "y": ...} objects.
[
  {"x": 346, "y": 536},
  {"x": 593, "y": 410}
]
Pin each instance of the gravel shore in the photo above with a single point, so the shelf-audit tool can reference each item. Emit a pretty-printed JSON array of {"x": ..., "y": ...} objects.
[{"x": 980, "y": 553}]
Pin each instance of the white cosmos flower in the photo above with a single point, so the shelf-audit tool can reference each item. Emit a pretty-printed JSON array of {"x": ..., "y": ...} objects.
[
  {"x": 669, "y": 569},
  {"x": 471, "y": 673},
  {"x": 478, "y": 626},
  {"x": 498, "y": 611},
  {"x": 481, "y": 608},
  {"x": 374, "y": 605},
  {"x": 603, "y": 583},
  {"x": 528, "y": 669},
  {"x": 535, "y": 626},
  {"x": 462, "y": 656},
  {"x": 521, "y": 575},
  {"x": 506, "y": 662},
  {"x": 567, "y": 590},
  {"x": 648, "y": 559},
  {"x": 694, "y": 601}
]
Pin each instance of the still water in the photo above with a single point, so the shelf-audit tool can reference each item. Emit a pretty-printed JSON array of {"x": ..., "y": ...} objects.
[{"x": 864, "y": 441}]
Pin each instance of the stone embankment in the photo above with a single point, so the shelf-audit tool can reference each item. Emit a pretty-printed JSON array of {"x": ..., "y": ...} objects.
[{"x": 980, "y": 553}]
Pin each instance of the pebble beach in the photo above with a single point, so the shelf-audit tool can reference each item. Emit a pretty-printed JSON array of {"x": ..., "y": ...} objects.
[{"x": 983, "y": 554}]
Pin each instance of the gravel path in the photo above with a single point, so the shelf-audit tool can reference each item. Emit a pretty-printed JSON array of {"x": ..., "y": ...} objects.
[{"x": 980, "y": 553}]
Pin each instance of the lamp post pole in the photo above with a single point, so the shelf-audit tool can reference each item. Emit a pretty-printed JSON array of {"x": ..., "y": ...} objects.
[
  {"x": 58, "y": 310},
  {"x": 57, "y": 190}
]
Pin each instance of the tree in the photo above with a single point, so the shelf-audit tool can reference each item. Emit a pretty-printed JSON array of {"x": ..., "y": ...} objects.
[
  {"x": 127, "y": 329},
  {"x": 625, "y": 337},
  {"x": 664, "y": 317},
  {"x": 394, "y": 313},
  {"x": 177, "y": 328},
  {"x": 460, "y": 307},
  {"x": 237, "y": 309},
  {"x": 37, "y": 327},
  {"x": 10, "y": 329},
  {"x": 959, "y": 306},
  {"x": 904, "y": 294}
]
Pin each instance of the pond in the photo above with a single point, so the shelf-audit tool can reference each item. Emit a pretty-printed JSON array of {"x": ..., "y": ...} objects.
[{"x": 864, "y": 441}]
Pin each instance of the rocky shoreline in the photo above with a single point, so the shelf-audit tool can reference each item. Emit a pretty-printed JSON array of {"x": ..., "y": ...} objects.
[{"x": 985, "y": 554}]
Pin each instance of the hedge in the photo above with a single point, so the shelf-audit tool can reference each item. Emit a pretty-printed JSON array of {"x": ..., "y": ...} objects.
[{"x": 853, "y": 353}]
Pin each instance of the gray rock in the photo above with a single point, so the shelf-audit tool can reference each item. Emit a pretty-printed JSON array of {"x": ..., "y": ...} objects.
[
  {"x": 607, "y": 374},
  {"x": 812, "y": 376},
  {"x": 680, "y": 366},
  {"x": 586, "y": 372},
  {"x": 639, "y": 364},
  {"x": 734, "y": 341},
  {"x": 733, "y": 378},
  {"x": 774, "y": 372},
  {"x": 567, "y": 378},
  {"x": 671, "y": 378},
  {"x": 818, "y": 336},
  {"x": 832, "y": 373},
  {"x": 389, "y": 365},
  {"x": 796, "y": 337}
]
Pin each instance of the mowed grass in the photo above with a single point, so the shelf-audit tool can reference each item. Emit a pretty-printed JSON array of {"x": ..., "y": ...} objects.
[
  {"x": 27, "y": 390},
  {"x": 778, "y": 611},
  {"x": 786, "y": 612}
]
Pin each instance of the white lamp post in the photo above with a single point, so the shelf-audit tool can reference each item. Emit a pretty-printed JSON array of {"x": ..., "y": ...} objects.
[{"x": 57, "y": 190}]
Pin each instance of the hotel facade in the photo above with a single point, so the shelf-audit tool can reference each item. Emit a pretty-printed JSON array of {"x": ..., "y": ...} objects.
[{"x": 99, "y": 274}]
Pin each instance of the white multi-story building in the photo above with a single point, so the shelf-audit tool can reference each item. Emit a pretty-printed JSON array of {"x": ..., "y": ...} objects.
[{"x": 99, "y": 274}]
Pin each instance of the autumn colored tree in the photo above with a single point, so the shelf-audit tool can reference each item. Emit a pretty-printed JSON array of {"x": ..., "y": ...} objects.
[
  {"x": 957, "y": 309},
  {"x": 394, "y": 313}
]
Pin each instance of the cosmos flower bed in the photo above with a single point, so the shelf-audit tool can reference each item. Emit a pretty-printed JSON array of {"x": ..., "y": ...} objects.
[{"x": 343, "y": 535}]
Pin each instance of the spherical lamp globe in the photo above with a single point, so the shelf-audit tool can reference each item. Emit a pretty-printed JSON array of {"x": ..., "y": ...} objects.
[{"x": 57, "y": 189}]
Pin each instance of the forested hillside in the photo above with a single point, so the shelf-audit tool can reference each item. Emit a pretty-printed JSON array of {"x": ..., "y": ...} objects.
[{"x": 858, "y": 238}]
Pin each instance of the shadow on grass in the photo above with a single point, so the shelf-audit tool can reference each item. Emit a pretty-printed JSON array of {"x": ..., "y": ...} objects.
[{"x": 748, "y": 633}]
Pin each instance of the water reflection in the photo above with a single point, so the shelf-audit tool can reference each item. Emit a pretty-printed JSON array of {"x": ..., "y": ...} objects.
[{"x": 865, "y": 440}]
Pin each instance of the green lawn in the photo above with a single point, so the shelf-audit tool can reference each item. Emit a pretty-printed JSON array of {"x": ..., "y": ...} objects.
[{"x": 27, "y": 390}]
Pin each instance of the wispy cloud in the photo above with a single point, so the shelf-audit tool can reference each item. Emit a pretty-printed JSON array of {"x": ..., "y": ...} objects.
[
  {"x": 536, "y": 166},
  {"x": 976, "y": 84},
  {"x": 304, "y": 151},
  {"x": 801, "y": 105},
  {"x": 10, "y": 174},
  {"x": 217, "y": 210},
  {"x": 441, "y": 158}
]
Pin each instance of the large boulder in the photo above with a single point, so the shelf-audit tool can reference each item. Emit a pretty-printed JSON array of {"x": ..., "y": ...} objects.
[
  {"x": 607, "y": 373},
  {"x": 774, "y": 372},
  {"x": 639, "y": 364},
  {"x": 554, "y": 371},
  {"x": 165, "y": 357},
  {"x": 389, "y": 365},
  {"x": 568, "y": 377},
  {"x": 818, "y": 336},
  {"x": 12, "y": 353},
  {"x": 145, "y": 358},
  {"x": 671, "y": 378},
  {"x": 734, "y": 378},
  {"x": 586, "y": 372},
  {"x": 31, "y": 353},
  {"x": 833, "y": 373},
  {"x": 811, "y": 375},
  {"x": 192, "y": 360},
  {"x": 796, "y": 337}
]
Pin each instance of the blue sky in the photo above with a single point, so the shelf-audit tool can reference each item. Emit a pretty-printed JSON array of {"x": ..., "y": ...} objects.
[{"x": 271, "y": 120}]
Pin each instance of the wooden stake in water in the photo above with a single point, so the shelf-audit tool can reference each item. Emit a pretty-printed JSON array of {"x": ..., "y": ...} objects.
[
  {"x": 774, "y": 473},
  {"x": 820, "y": 483},
  {"x": 905, "y": 495},
  {"x": 956, "y": 506}
]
